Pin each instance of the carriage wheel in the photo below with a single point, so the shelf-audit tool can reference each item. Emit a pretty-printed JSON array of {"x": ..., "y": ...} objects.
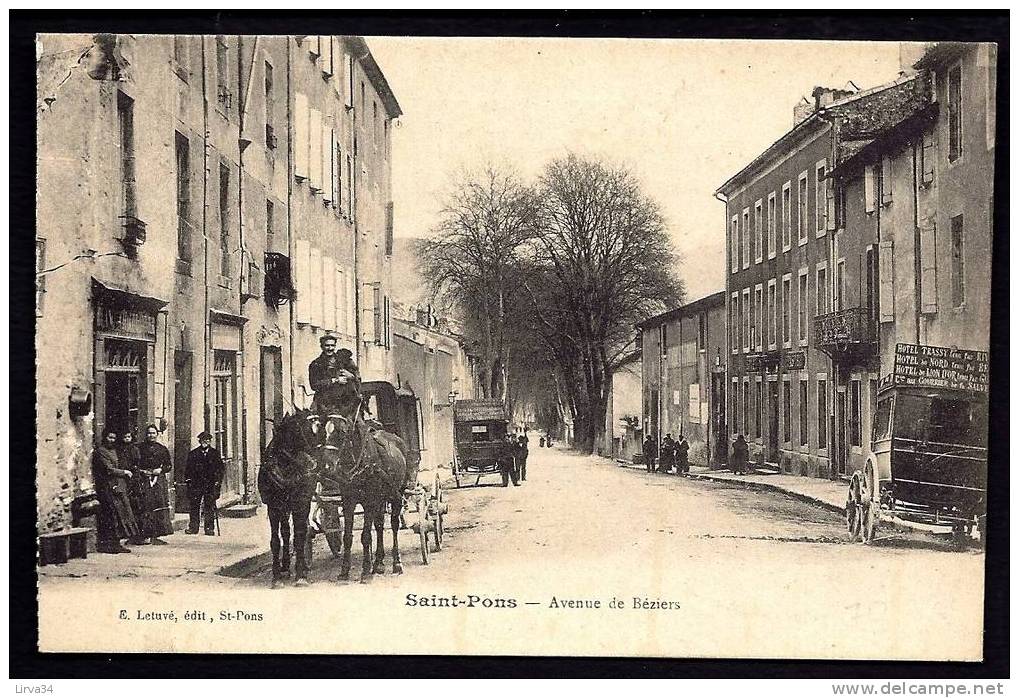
[
  {"x": 423, "y": 536},
  {"x": 854, "y": 515},
  {"x": 870, "y": 508}
]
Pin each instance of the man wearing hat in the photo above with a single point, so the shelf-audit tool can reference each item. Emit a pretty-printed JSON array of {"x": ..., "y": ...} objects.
[
  {"x": 331, "y": 375},
  {"x": 203, "y": 476}
]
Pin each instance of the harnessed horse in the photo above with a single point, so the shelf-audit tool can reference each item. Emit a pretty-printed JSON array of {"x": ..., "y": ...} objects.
[
  {"x": 286, "y": 483},
  {"x": 368, "y": 466}
]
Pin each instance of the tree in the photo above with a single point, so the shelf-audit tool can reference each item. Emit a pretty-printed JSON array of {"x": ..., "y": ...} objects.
[
  {"x": 600, "y": 263},
  {"x": 472, "y": 263}
]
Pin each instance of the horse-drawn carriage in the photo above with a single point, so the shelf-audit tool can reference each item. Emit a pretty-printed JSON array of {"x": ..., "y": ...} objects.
[
  {"x": 479, "y": 440},
  {"x": 326, "y": 466},
  {"x": 397, "y": 411},
  {"x": 929, "y": 442}
]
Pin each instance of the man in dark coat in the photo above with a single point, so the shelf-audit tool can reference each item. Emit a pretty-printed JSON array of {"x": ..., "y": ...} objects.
[
  {"x": 334, "y": 377},
  {"x": 154, "y": 468},
  {"x": 740, "y": 455},
  {"x": 667, "y": 457},
  {"x": 682, "y": 456},
  {"x": 650, "y": 450},
  {"x": 522, "y": 456},
  {"x": 203, "y": 476}
]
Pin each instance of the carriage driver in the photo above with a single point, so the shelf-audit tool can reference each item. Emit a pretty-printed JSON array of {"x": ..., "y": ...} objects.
[{"x": 329, "y": 375}]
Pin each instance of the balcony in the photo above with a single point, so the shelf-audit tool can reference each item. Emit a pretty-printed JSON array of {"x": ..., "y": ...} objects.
[
  {"x": 278, "y": 280},
  {"x": 847, "y": 334}
]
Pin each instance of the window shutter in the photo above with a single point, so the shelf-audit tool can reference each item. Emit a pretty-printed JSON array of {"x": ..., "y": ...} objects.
[
  {"x": 315, "y": 160},
  {"x": 339, "y": 301},
  {"x": 928, "y": 268},
  {"x": 886, "y": 293},
  {"x": 829, "y": 205},
  {"x": 328, "y": 293},
  {"x": 886, "y": 181},
  {"x": 338, "y": 63},
  {"x": 377, "y": 313},
  {"x": 929, "y": 157},
  {"x": 302, "y": 272},
  {"x": 334, "y": 168},
  {"x": 386, "y": 327},
  {"x": 301, "y": 127},
  {"x": 351, "y": 306},
  {"x": 326, "y": 164},
  {"x": 868, "y": 188},
  {"x": 348, "y": 80},
  {"x": 316, "y": 287},
  {"x": 327, "y": 54}
]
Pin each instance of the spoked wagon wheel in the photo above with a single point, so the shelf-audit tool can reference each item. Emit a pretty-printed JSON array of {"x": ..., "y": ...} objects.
[
  {"x": 870, "y": 507},
  {"x": 423, "y": 538},
  {"x": 438, "y": 504},
  {"x": 854, "y": 512}
]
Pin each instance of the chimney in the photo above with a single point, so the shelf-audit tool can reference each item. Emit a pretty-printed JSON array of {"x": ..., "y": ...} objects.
[
  {"x": 823, "y": 96},
  {"x": 802, "y": 110}
]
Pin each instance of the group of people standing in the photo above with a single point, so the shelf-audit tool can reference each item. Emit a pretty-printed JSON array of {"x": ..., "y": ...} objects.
[
  {"x": 518, "y": 445},
  {"x": 131, "y": 483},
  {"x": 673, "y": 455}
]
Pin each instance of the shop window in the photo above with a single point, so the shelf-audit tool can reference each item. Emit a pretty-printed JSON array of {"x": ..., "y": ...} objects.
[{"x": 223, "y": 402}]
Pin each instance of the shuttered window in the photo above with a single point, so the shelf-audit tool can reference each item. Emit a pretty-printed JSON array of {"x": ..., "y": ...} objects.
[
  {"x": 315, "y": 151},
  {"x": 958, "y": 262},
  {"x": 351, "y": 306},
  {"x": 302, "y": 279},
  {"x": 886, "y": 181},
  {"x": 886, "y": 294},
  {"x": 301, "y": 136},
  {"x": 340, "y": 301},
  {"x": 928, "y": 268},
  {"x": 316, "y": 287},
  {"x": 868, "y": 188},
  {"x": 326, "y": 164},
  {"x": 734, "y": 245},
  {"x": 929, "y": 156},
  {"x": 326, "y": 47},
  {"x": 328, "y": 293}
]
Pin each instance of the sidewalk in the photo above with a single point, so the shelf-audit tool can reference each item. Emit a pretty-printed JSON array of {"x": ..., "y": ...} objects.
[
  {"x": 823, "y": 493},
  {"x": 183, "y": 555}
]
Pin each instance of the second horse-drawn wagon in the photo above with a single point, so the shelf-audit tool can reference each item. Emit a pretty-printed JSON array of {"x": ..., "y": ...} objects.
[{"x": 480, "y": 446}]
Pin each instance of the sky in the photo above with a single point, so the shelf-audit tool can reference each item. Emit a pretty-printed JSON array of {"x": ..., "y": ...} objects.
[{"x": 682, "y": 115}]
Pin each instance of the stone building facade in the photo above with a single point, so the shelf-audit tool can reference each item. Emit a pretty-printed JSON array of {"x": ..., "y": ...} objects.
[
  {"x": 199, "y": 227},
  {"x": 778, "y": 278},
  {"x": 683, "y": 375}
]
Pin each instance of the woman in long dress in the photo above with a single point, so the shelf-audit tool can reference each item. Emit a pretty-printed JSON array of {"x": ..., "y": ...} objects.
[
  {"x": 154, "y": 468},
  {"x": 129, "y": 458},
  {"x": 116, "y": 520}
]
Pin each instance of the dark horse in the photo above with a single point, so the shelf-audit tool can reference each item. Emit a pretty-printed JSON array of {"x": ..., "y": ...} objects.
[
  {"x": 368, "y": 465},
  {"x": 286, "y": 483}
]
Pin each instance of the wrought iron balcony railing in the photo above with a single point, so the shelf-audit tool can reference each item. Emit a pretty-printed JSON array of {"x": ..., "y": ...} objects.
[{"x": 851, "y": 329}]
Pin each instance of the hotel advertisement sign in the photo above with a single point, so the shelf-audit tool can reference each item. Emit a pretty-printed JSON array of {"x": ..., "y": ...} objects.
[{"x": 922, "y": 366}]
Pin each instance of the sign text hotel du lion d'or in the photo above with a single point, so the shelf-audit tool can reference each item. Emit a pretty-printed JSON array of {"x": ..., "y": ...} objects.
[{"x": 941, "y": 367}]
